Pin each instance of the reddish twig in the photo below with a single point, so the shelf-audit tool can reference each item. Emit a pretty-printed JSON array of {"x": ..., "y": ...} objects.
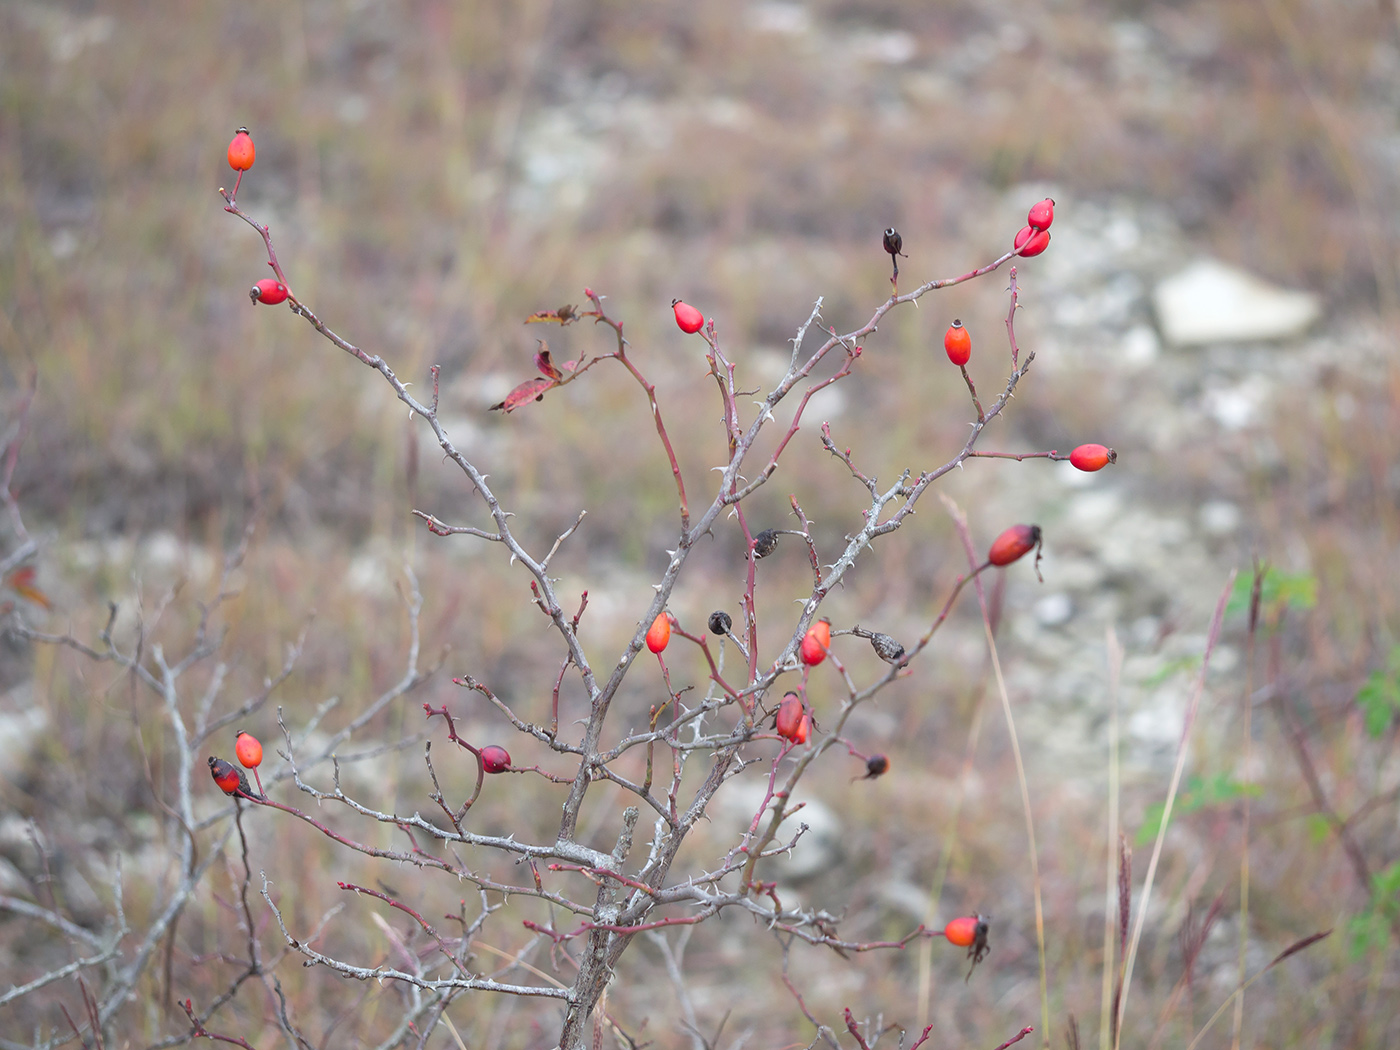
[
  {"x": 971, "y": 389},
  {"x": 1017, "y": 1037},
  {"x": 422, "y": 922},
  {"x": 650, "y": 388},
  {"x": 198, "y": 1031},
  {"x": 855, "y": 1030}
]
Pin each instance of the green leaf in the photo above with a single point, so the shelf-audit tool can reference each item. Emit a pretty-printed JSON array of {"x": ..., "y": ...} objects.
[
  {"x": 1371, "y": 930},
  {"x": 1379, "y": 696},
  {"x": 1196, "y": 795},
  {"x": 1239, "y": 595},
  {"x": 1385, "y": 885},
  {"x": 1171, "y": 669},
  {"x": 1366, "y": 933},
  {"x": 1223, "y": 788},
  {"x": 1318, "y": 828},
  {"x": 1296, "y": 589},
  {"x": 1151, "y": 824}
]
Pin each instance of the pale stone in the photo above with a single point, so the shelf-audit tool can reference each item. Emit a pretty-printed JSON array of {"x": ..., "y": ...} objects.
[
  {"x": 1054, "y": 610},
  {"x": 1219, "y": 517},
  {"x": 1209, "y": 302}
]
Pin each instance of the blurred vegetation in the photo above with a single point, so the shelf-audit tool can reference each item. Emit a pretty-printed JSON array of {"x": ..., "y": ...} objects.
[{"x": 434, "y": 171}]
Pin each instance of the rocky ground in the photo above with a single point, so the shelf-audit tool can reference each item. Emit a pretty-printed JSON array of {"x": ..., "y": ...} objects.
[{"x": 1218, "y": 304}]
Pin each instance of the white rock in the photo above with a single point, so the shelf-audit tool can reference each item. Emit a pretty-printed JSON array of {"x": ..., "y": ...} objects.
[
  {"x": 1238, "y": 406},
  {"x": 1209, "y": 302},
  {"x": 1219, "y": 517},
  {"x": 781, "y": 19},
  {"x": 1140, "y": 345},
  {"x": 1054, "y": 610}
]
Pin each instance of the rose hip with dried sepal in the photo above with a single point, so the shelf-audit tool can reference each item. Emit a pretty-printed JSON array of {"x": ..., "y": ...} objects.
[
  {"x": 957, "y": 342},
  {"x": 241, "y": 152},
  {"x": 1014, "y": 543},
  {"x": 495, "y": 759},
  {"x": 876, "y": 766},
  {"x": 268, "y": 292},
  {"x": 970, "y": 932},
  {"x": 688, "y": 319},
  {"x": 248, "y": 749},
  {"x": 964, "y": 931},
  {"x": 1042, "y": 215},
  {"x": 1092, "y": 457},
  {"x": 720, "y": 622},
  {"x": 231, "y": 780}
]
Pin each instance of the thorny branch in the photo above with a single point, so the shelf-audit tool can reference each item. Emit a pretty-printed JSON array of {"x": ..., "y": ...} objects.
[{"x": 623, "y": 902}]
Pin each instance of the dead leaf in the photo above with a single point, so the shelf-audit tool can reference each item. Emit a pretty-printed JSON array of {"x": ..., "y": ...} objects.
[
  {"x": 544, "y": 364},
  {"x": 530, "y": 390},
  {"x": 564, "y": 315}
]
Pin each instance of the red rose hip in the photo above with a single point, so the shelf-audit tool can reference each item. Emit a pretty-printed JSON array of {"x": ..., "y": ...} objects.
[
  {"x": 1092, "y": 457},
  {"x": 249, "y": 750},
  {"x": 688, "y": 319},
  {"x": 957, "y": 341},
  {"x": 1036, "y": 243},
  {"x": 965, "y": 931},
  {"x": 659, "y": 633},
  {"x": 268, "y": 292},
  {"x": 495, "y": 759},
  {"x": 789, "y": 718},
  {"x": 240, "y": 151},
  {"x": 804, "y": 729},
  {"x": 1014, "y": 543},
  {"x": 1042, "y": 215},
  {"x": 815, "y": 643}
]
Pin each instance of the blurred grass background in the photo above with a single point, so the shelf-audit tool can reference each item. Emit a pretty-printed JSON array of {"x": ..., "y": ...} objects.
[{"x": 433, "y": 172}]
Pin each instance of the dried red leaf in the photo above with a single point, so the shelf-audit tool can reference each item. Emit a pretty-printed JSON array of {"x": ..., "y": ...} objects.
[
  {"x": 530, "y": 390},
  {"x": 544, "y": 364}
]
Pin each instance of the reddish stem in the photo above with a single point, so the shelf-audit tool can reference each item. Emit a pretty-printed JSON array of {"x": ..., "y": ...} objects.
[
  {"x": 606, "y": 873},
  {"x": 854, "y": 1030},
  {"x": 480, "y": 765},
  {"x": 427, "y": 928},
  {"x": 200, "y": 1032},
  {"x": 772, "y": 465},
  {"x": 981, "y": 416},
  {"x": 621, "y": 355},
  {"x": 1017, "y": 1037},
  {"x": 715, "y": 676}
]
